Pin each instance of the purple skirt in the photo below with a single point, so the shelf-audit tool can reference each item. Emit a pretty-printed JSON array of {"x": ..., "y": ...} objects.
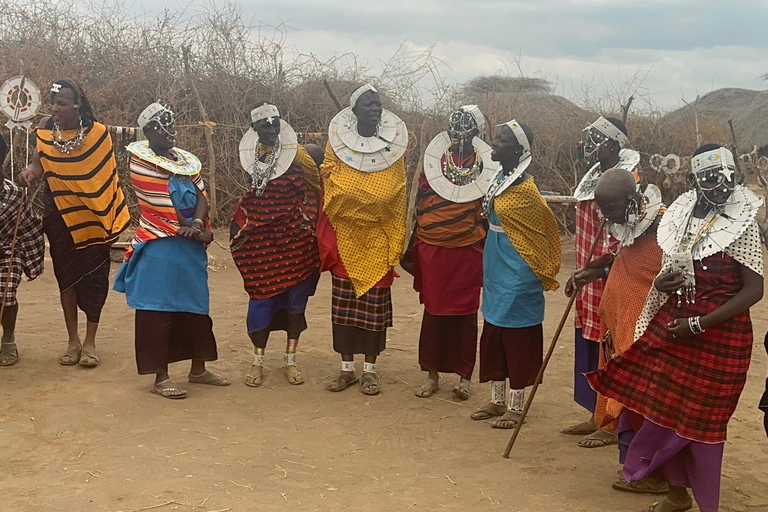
[{"x": 685, "y": 463}]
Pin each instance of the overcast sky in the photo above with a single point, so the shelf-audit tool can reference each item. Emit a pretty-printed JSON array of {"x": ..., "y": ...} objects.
[{"x": 687, "y": 46}]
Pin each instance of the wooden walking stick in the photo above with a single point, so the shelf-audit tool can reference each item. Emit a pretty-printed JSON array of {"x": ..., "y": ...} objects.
[
  {"x": 552, "y": 345},
  {"x": 13, "y": 251}
]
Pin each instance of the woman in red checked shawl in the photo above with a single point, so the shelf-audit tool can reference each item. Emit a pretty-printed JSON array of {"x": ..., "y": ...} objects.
[
  {"x": 685, "y": 373},
  {"x": 273, "y": 236}
]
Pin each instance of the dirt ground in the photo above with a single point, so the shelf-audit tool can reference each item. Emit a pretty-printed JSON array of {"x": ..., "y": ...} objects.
[{"x": 75, "y": 439}]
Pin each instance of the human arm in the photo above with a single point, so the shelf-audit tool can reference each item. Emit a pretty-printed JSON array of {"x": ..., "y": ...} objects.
[
  {"x": 196, "y": 228},
  {"x": 751, "y": 292}
]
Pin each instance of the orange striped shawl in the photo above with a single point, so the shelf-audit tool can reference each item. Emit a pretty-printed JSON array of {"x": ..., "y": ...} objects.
[
  {"x": 158, "y": 214},
  {"x": 85, "y": 186}
]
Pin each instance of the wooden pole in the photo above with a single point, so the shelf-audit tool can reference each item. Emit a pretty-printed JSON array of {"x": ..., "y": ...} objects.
[
  {"x": 330, "y": 93},
  {"x": 212, "y": 211},
  {"x": 552, "y": 345}
]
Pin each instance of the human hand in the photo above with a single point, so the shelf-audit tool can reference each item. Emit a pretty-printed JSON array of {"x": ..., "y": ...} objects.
[
  {"x": 587, "y": 276},
  {"x": 188, "y": 232},
  {"x": 679, "y": 328},
  {"x": 569, "y": 287},
  {"x": 205, "y": 237},
  {"x": 26, "y": 178},
  {"x": 669, "y": 282}
]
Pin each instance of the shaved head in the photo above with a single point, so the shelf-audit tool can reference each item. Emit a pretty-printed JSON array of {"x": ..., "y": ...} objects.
[
  {"x": 615, "y": 183},
  {"x": 614, "y": 191}
]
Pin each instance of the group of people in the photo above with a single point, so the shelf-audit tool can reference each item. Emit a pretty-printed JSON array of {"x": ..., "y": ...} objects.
[{"x": 663, "y": 336}]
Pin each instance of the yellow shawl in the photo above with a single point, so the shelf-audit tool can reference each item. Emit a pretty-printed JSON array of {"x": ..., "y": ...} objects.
[
  {"x": 532, "y": 229},
  {"x": 368, "y": 212},
  {"x": 85, "y": 186}
]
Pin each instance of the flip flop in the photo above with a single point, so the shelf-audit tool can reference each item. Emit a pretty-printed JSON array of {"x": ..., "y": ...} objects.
[
  {"x": 208, "y": 378},
  {"x": 681, "y": 508},
  {"x": 257, "y": 380},
  {"x": 294, "y": 379},
  {"x": 342, "y": 382},
  {"x": 70, "y": 357},
  {"x": 167, "y": 392}
]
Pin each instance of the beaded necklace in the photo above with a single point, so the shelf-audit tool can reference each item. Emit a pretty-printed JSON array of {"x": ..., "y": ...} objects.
[{"x": 63, "y": 144}]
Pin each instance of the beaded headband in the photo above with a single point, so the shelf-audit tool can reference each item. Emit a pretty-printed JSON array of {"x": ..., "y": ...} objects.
[
  {"x": 720, "y": 159},
  {"x": 152, "y": 111},
  {"x": 265, "y": 111},
  {"x": 474, "y": 110},
  {"x": 521, "y": 137},
  {"x": 359, "y": 92},
  {"x": 610, "y": 130}
]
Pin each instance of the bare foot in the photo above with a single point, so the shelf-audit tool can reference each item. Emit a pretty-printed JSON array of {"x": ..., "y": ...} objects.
[{"x": 293, "y": 375}]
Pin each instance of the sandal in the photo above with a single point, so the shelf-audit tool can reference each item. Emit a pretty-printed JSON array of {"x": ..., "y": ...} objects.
[
  {"x": 173, "y": 392},
  {"x": 510, "y": 419},
  {"x": 89, "y": 360},
  {"x": 488, "y": 411},
  {"x": 294, "y": 376},
  {"x": 680, "y": 508},
  {"x": 645, "y": 486},
  {"x": 9, "y": 356},
  {"x": 427, "y": 389},
  {"x": 70, "y": 357},
  {"x": 598, "y": 439},
  {"x": 584, "y": 428},
  {"x": 461, "y": 393},
  {"x": 342, "y": 382},
  {"x": 369, "y": 384},
  {"x": 208, "y": 378},
  {"x": 255, "y": 378}
]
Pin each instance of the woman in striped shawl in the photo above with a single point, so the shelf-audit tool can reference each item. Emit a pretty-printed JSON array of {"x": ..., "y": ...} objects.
[
  {"x": 85, "y": 210},
  {"x": 165, "y": 277}
]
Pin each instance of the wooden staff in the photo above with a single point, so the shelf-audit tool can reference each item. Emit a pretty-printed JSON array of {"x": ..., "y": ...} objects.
[
  {"x": 13, "y": 251},
  {"x": 330, "y": 93},
  {"x": 552, "y": 345}
]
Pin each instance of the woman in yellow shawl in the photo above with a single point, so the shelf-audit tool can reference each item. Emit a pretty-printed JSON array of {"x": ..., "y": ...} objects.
[
  {"x": 361, "y": 229},
  {"x": 85, "y": 210},
  {"x": 520, "y": 262}
]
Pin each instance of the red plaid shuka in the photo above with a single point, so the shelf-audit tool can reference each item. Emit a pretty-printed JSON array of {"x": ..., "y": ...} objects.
[
  {"x": 587, "y": 225},
  {"x": 273, "y": 235},
  {"x": 691, "y": 385}
]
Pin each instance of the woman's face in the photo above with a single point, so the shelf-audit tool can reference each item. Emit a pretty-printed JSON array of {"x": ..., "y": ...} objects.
[
  {"x": 505, "y": 145},
  {"x": 64, "y": 111},
  {"x": 717, "y": 187},
  {"x": 161, "y": 133},
  {"x": 368, "y": 108},
  {"x": 614, "y": 208},
  {"x": 267, "y": 130}
]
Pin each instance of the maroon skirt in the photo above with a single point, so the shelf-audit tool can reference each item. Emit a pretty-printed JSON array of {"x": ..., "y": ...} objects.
[
  {"x": 509, "y": 353},
  {"x": 164, "y": 337},
  {"x": 448, "y": 344}
]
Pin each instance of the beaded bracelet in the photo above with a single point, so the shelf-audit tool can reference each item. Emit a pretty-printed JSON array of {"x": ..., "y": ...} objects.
[{"x": 694, "y": 323}]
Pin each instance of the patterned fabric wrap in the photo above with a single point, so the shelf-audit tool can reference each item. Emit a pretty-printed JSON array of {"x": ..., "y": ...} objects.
[
  {"x": 29, "y": 256},
  {"x": 273, "y": 242},
  {"x": 368, "y": 211},
  {"x": 85, "y": 186},
  {"x": 444, "y": 223},
  {"x": 371, "y": 311},
  {"x": 532, "y": 229},
  {"x": 691, "y": 385},
  {"x": 631, "y": 278},
  {"x": 587, "y": 225},
  {"x": 159, "y": 218}
]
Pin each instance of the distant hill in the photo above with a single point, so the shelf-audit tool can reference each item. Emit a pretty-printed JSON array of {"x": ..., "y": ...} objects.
[{"x": 748, "y": 110}]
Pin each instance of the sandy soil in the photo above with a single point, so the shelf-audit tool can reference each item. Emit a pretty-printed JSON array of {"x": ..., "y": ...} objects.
[{"x": 74, "y": 439}]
